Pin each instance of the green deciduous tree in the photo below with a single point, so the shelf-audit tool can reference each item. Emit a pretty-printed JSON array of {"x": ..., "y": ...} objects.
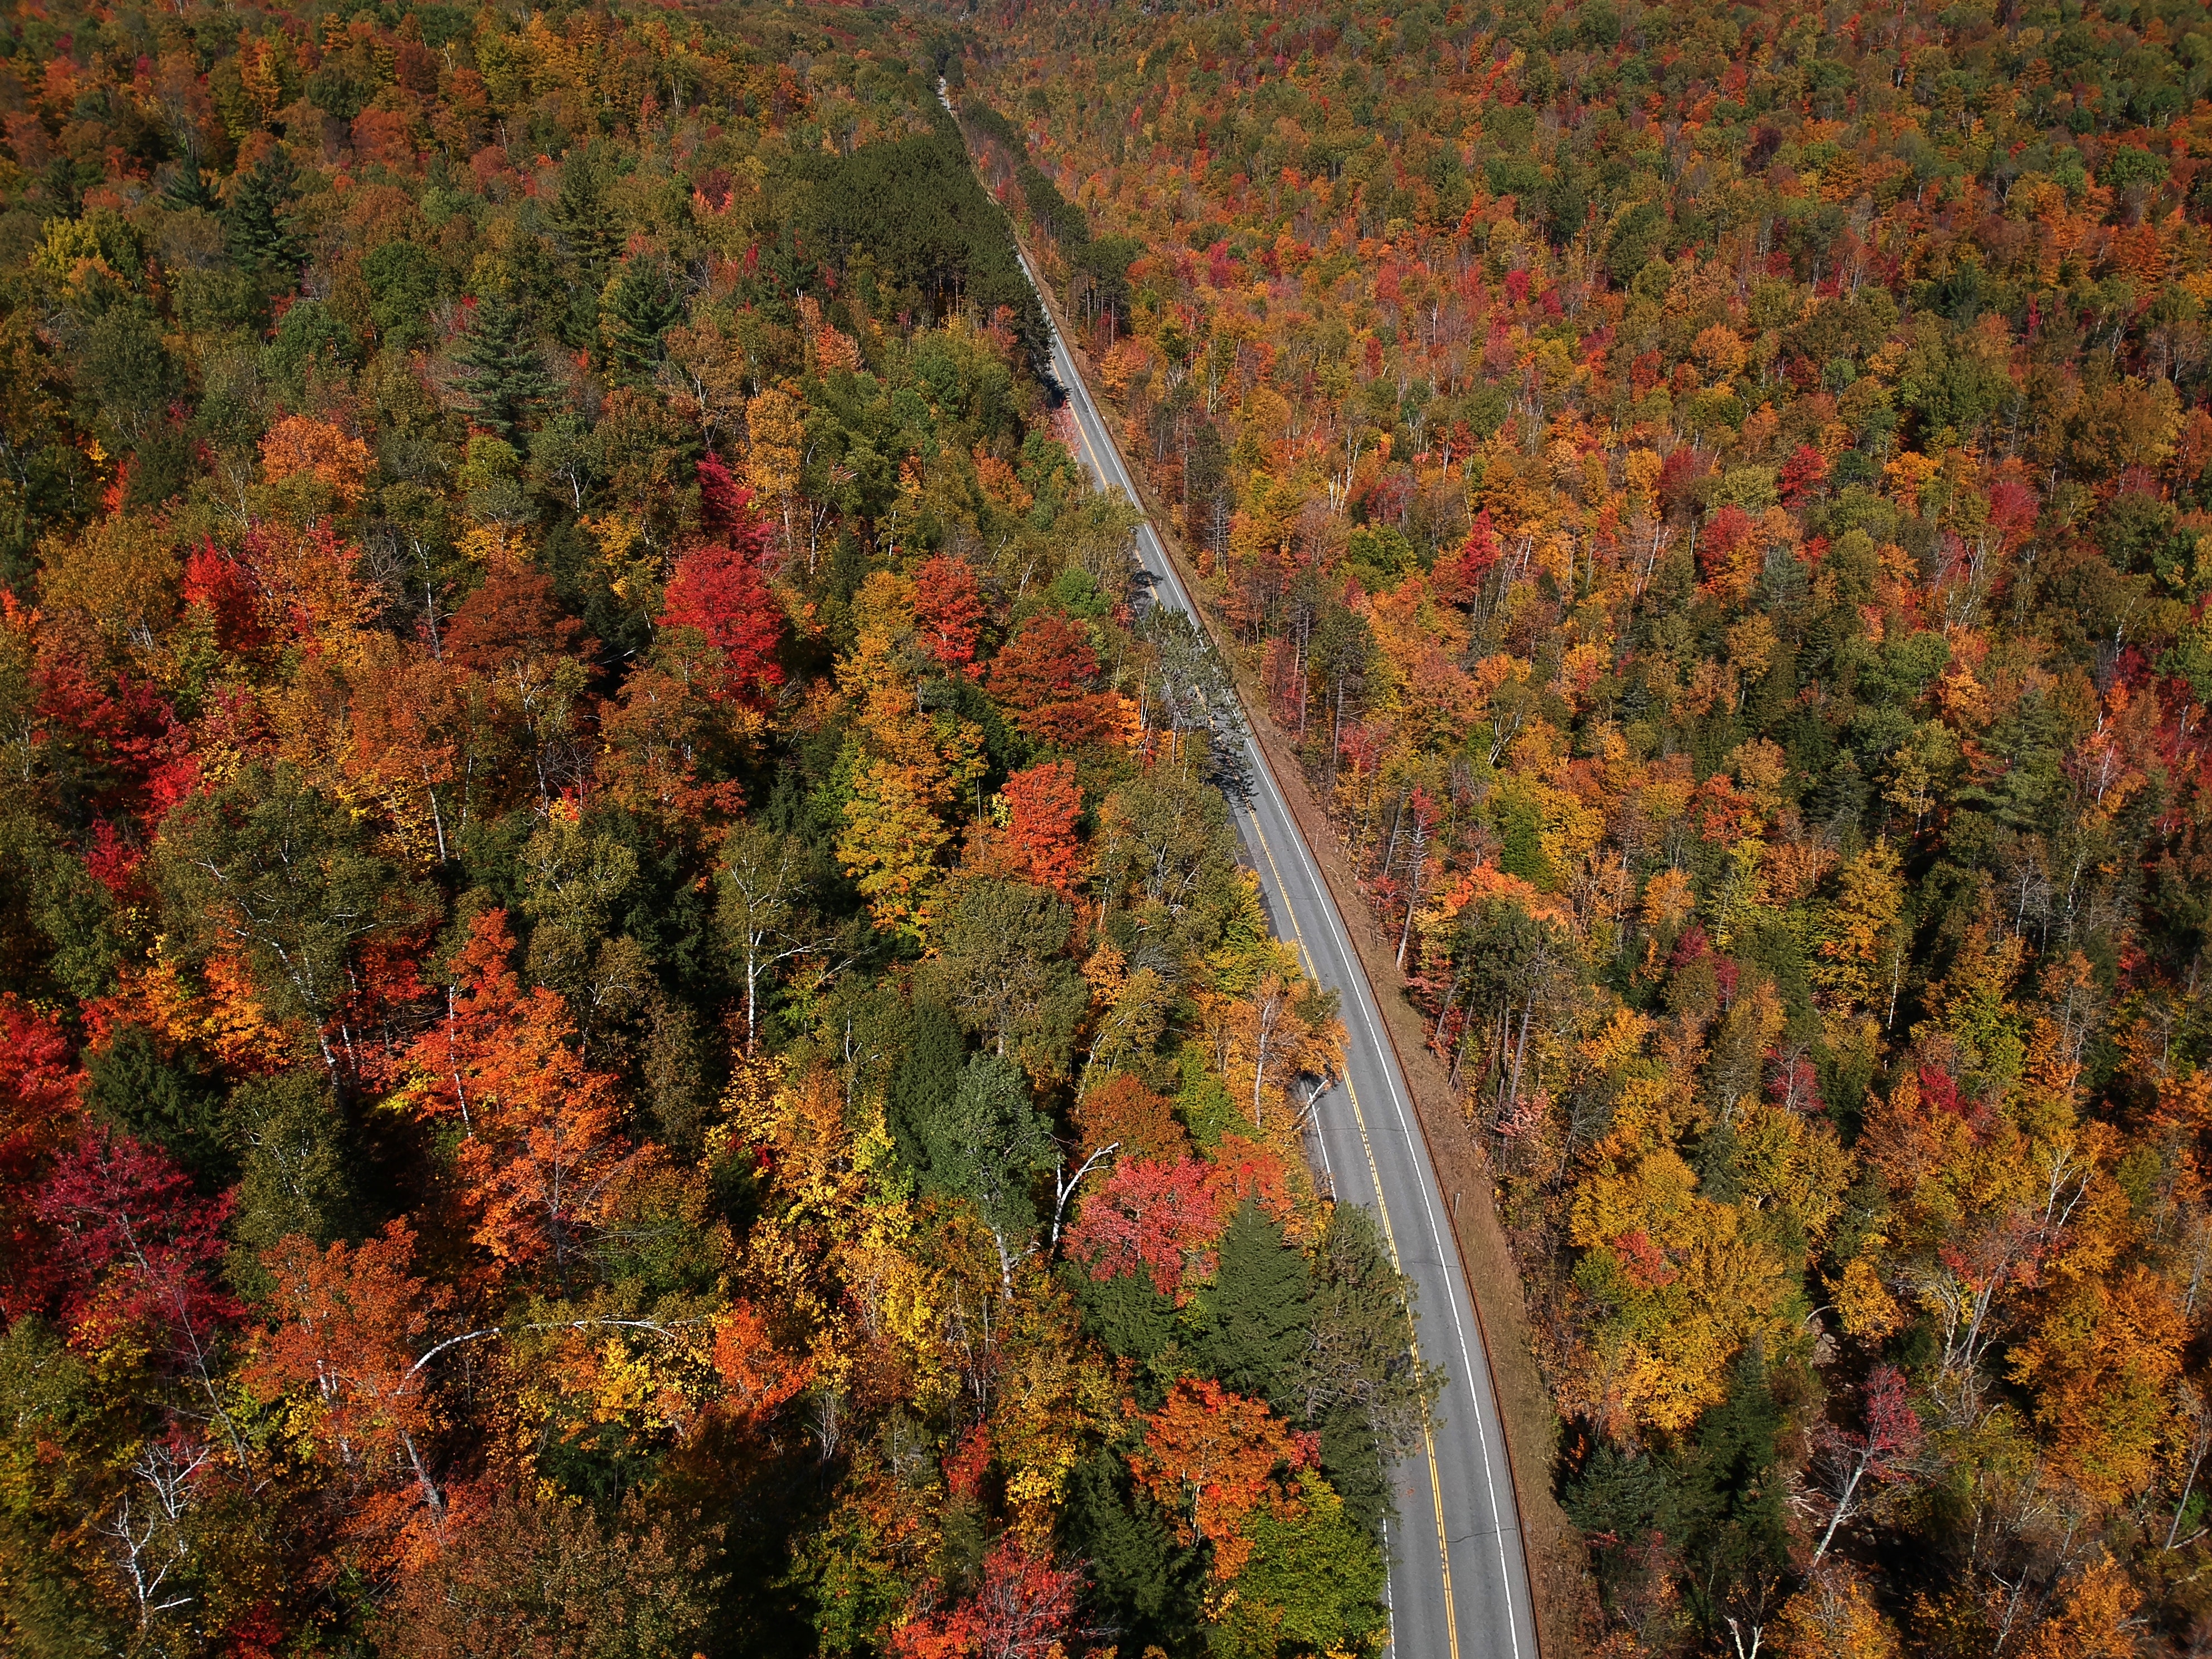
[
  {"x": 989, "y": 1144},
  {"x": 272, "y": 869},
  {"x": 300, "y": 1168},
  {"x": 997, "y": 968}
]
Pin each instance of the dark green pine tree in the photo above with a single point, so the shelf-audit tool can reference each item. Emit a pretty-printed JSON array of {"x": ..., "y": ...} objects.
[
  {"x": 503, "y": 375},
  {"x": 1726, "y": 1511},
  {"x": 922, "y": 1087},
  {"x": 1151, "y": 1586},
  {"x": 584, "y": 228},
  {"x": 154, "y": 1097},
  {"x": 588, "y": 238},
  {"x": 639, "y": 304},
  {"x": 1619, "y": 1500},
  {"x": 1262, "y": 1307},
  {"x": 185, "y": 188},
  {"x": 257, "y": 224}
]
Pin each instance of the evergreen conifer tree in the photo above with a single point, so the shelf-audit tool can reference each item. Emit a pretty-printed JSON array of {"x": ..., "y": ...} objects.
[
  {"x": 1126, "y": 1313},
  {"x": 132, "y": 1085},
  {"x": 1726, "y": 1507},
  {"x": 639, "y": 304},
  {"x": 501, "y": 372},
  {"x": 922, "y": 1087},
  {"x": 257, "y": 228},
  {"x": 588, "y": 239},
  {"x": 184, "y": 187},
  {"x": 1152, "y": 1586},
  {"x": 1263, "y": 1303},
  {"x": 584, "y": 228}
]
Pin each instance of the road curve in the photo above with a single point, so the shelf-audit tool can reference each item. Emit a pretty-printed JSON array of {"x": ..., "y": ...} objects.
[{"x": 1459, "y": 1582}]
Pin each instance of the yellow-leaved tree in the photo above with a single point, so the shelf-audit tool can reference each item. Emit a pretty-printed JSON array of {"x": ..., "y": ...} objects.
[{"x": 890, "y": 844}]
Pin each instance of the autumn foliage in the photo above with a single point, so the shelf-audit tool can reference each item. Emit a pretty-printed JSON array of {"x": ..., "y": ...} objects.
[
  {"x": 718, "y": 591},
  {"x": 1151, "y": 1217},
  {"x": 1212, "y": 1459},
  {"x": 609, "y": 900},
  {"x": 1729, "y": 554}
]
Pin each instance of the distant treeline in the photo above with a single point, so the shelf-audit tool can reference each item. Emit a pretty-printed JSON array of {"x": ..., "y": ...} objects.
[{"x": 1103, "y": 264}]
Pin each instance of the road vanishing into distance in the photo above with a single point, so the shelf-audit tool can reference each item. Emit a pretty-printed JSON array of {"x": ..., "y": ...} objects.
[{"x": 1459, "y": 1581}]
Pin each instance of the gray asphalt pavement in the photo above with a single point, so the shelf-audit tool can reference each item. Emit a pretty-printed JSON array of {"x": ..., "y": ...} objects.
[{"x": 1458, "y": 1579}]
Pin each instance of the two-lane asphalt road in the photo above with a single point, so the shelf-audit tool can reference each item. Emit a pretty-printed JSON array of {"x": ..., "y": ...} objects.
[{"x": 1459, "y": 1584}]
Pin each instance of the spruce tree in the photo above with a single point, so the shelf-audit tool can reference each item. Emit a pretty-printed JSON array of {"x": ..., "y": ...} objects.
[
  {"x": 168, "y": 1102},
  {"x": 184, "y": 187},
  {"x": 587, "y": 237},
  {"x": 1263, "y": 1306},
  {"x": 1726, "y": 1511},
  {"x": 638, "y": 305},
  {"x": 1127, "y": 1313},
  {"x": 257, "y": 228},
  {"x": 922, "y": 1087},
  {"x": 584, "y": 228},
  {"x": 1151, "y": 1587},
  {"x": 501, "y": 373}
]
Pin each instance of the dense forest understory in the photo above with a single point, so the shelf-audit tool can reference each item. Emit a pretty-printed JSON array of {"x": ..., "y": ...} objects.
[
  {"x": 629, "y": 1020},
  {"x": 1718, "y": 495}
]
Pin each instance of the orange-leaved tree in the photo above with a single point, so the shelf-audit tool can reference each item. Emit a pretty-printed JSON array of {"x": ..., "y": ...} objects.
[
  {"x": 351, "y": 1350},
  {"x": 1156, "y": 1216},
  {"x": 1042, "y": 806},
  {"x": 1212, "y": 1459},
  {"x": 543, "y": 1154}
]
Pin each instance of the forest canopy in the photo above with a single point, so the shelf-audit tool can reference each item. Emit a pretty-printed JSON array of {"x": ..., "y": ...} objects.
[
  {"x": 630, "y": 1021},
  {"x": 1718, "y": 497}
]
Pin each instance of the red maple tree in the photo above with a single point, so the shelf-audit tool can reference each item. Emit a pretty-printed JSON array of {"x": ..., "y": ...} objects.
[
  {"x": 1022, "y": 1608},
  {"x": 717, "y": 592},
  {"x": 1150, "y": 1215},
  {"x": 1042, "y": 806},
  {"x": 948, "y": 613},
  {"x": 1046, "y": 674}
]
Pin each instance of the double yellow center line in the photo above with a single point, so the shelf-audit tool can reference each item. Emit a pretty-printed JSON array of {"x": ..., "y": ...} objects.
[{"x": 1390, "y": 1240}]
